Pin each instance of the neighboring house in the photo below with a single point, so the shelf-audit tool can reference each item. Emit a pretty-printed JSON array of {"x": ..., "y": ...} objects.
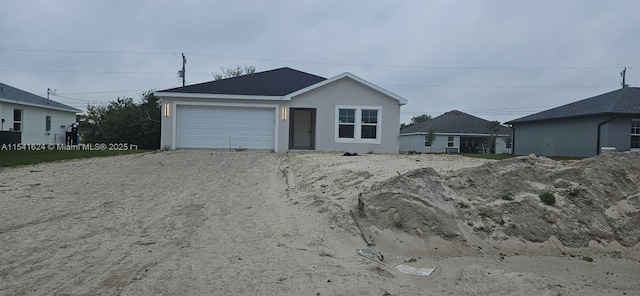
[
  {"x": 455, "y": 132},
  {"x": 582, "y": 128},
  {"x": 281, "y": 110},
  {"x": 30, "y": 119}
]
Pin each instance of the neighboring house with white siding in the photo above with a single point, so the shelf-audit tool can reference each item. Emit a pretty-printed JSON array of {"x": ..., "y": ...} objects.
[
  {"x": 455, "y": 132},
  {"x": 282, "y": 110},
  {"x": 31, "y": 119}
]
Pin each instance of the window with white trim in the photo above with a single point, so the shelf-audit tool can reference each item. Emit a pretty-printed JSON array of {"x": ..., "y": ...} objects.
[
  {"x": 358, "y": 124},
  {"x": 635, "y": 134},
  {"x": 17, "y": 120},
  {"x": 346, "y": 123},
  {"x": 369, "y": 121},
  {"x": 47, "y": 122},
  {"x": 427, "y": 143},
  {"x": 449, "y": 141}
]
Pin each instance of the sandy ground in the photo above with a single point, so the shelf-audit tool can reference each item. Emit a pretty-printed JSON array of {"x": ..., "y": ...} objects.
[{"x": 248, "y": 223}]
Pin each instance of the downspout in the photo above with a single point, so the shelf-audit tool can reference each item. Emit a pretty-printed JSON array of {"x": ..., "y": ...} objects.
[
  {"x": 513, "y": 139},
  {"x": 598, "y": 136}
]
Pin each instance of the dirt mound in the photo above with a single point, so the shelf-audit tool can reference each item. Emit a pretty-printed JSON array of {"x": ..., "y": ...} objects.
[
  {"x": 415, "y": 201},
  {"x": 596, "y": 199}
]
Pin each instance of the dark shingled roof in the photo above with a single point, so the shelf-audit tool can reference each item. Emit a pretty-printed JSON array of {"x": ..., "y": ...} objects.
[
  {"x": 622, "y": 101},
  {"x": 17, "y": 96},
  {"x": 454, "y": 122},
  {"x": 277, "y": 82}
]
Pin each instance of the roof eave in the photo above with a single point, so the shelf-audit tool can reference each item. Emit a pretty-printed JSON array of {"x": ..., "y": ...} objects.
[
  {"x": 163, "y": 94},
  {"x": 18, "y": 102},
  {"x": 569, "y": 117}
]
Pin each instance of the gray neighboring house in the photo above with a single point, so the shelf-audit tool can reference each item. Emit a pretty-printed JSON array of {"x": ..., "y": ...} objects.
[
  {"x": 610, "y": 121},
  {"x": 456, "y": 132},
  {"x": 282, "y": 110},
  {"x": 31, "y": 119}
]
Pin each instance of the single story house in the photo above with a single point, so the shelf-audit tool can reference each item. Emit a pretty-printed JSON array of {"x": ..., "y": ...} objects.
[
  {"x": 281, "y": 110},
  {"x": 455, "y": 132},
  {"x": 609, "y": 121},
  {"x": 31, "y": 119}
]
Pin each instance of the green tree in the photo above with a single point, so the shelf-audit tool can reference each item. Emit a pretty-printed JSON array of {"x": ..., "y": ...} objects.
[
  {"x": 431, "y": 137},
  {"x": 416, "y": 119},
  {"x": 124, "y": 121},
  {"x": 420, "y": 118},
  {"x": 232, "y": 71}
]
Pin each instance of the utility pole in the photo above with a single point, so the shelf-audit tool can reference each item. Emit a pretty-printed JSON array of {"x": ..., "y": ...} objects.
[
  {"x": 184, "y": 62},
  {"x": 623, "y": 74},
  {"x": 50, "y": 92}
]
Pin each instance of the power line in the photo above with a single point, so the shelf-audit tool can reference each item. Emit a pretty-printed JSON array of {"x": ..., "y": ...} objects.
[
  {"x": 386, "y": 84},
  {"x": 95, "y": 72},
  {"x": 87, "y": 51},
  {"x": 102, "y": 92},
  {"x": 409, "y": 66},
  {"x": 318, "y": 63},
  {"x": 69, "y": 98}
]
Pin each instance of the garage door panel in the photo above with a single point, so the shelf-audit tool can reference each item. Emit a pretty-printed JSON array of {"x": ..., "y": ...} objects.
[{"x": 225, "y": 127}]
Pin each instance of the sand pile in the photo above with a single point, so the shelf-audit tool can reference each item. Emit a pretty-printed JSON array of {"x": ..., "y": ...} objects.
[{"x": 597, "y": 201}]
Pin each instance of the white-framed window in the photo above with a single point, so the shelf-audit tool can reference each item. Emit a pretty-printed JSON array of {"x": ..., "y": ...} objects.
[
  {"x": 426, "y": 141},
  {"x": 358, "y": 124},
  {"x": 47, "y": 122},
  {"x": 346, "y": 123},
  {"x": 369, "y": 123},
  {"x": 17, "y": 120},
  {"x": 449, "y": 141},
  {"x": 635, "y": 134}
]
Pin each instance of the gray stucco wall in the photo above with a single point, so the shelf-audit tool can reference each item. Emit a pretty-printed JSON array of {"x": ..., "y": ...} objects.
[
  {"x": 618, "y": 133},
  {"x": 324, "y": 99},
  {"x": 565, "y": 137},
  {"x": 347, "y": 92}
]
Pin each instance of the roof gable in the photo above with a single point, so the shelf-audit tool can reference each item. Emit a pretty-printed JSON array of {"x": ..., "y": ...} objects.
[
  {"x": 277, "y": 82},
  {"x": 622, "y": 101},
  {"x": 401, "y": 100},
  {"x": 454, "y": 122},
  {"x": 14, "y": 95}
]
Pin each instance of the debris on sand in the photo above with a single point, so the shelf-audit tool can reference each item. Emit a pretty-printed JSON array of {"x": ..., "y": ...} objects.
[{"x": 415, "y": 270}]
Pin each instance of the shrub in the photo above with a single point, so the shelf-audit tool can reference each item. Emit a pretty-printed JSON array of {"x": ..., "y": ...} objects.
[
  {"x": 397, "y": 221},
  {"x": 548, "y": 198}
]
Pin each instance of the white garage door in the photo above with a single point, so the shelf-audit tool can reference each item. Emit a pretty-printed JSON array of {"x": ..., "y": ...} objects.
[{"x": 220, "y": 127}]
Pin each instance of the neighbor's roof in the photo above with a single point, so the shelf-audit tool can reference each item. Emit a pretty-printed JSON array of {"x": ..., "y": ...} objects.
[
  {"x": 278, "y": 82},
  {"x": 13, "y": 95},
  {"x": 622, "y": 101},
  {"x": 454, "y": 122}
]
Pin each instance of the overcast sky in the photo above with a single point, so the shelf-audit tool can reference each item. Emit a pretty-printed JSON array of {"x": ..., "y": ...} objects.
[{"x": 499, "y": 60}]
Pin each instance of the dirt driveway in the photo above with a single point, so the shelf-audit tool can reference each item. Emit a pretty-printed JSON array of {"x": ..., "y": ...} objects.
[
  {"x": 173, "y": 223},
  {"x": 229, "y": 223}
]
